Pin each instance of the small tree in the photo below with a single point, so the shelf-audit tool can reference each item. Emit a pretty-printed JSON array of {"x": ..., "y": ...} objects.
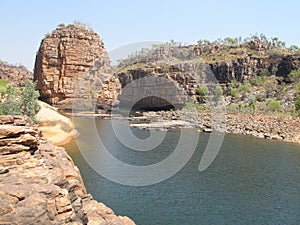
[
  {"x": 22, "y": 101},
  {"x": 12, "y": 103},
  {"x": 29, "y": 96}
]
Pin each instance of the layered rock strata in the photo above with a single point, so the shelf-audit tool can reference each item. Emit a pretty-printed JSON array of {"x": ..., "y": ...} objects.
[
  {"x": 72, "y": 65},
  {"x": 39, "y": 183}
]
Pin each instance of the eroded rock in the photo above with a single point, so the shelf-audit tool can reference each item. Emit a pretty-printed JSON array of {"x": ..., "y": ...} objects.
[
  {"x": 43, "y": 186},
  {"x": 72, "y": 63}
]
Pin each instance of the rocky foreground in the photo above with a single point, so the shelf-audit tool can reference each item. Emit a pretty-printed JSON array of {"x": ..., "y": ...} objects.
[{"x": 39, "y": 183}]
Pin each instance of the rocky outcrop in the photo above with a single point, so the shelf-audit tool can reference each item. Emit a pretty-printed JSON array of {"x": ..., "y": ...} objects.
[
  {"x": 286, "y": 65},
  {"x": 39, "y": 183},
  {"x": 16, "y": 75},
  {"x": 241, "y": 69},
  {"x": 72, "y": 63}
]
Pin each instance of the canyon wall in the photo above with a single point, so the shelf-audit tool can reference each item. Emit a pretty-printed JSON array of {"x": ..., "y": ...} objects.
[{"x": 188, "y": 74}]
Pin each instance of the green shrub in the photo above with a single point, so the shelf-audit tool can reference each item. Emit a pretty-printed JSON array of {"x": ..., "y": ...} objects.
[
  {"x": 297, "y": 88},
  {"x": 3, "y": 87},
  {"x": 12, "y": 103},
  {"x": 297, "y": 103},
  {"x": 218, "y": 93},
  {"x": 252, "y": 104},
  {"x": 245, "y": 88},
  {"x": 202, "y": 90},
  {"x": 29, "y": 100},
  {"x": 234, "y": 92},
  {"x": 258, "y": 80},
  {"x": 274, "y": 105},
  {"x": 295, "y": 75},
  {"x": 21, "y": 101}
]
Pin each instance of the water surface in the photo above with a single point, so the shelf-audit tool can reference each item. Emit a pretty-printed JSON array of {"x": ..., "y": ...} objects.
[{"x": 252, "y": 181}]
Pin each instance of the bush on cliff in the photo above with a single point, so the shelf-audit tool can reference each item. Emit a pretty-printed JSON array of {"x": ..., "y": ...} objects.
[
  {"x": 23, "y": 101},
  {"x": 3, "y": 87},
  {"x": 297, "y": 104},
  {"x": 218, "y": 93},
  {"x": 274, "y": 105},
  {"x": 202, "y": 91}
]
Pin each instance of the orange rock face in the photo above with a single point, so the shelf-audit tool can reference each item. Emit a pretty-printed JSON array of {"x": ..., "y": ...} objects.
[{"x": 72, "y": 63}]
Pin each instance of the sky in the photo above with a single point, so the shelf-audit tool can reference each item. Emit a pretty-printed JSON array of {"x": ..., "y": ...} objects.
[{"x": 119, "y": 23}]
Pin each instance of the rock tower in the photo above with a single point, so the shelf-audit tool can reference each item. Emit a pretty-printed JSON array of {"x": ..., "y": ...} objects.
[{"x": 72, "y": 63}]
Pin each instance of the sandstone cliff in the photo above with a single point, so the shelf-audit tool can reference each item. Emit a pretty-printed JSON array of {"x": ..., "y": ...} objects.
[
  {"x": 190, "y": 66},
  {"x": 39, "y": 183},
  {"x": 16, "y": 75},
  {"x": 72, "y": 63}
]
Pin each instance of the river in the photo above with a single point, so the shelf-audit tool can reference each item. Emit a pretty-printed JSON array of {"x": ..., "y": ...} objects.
[{"x": 251, "y": 181}]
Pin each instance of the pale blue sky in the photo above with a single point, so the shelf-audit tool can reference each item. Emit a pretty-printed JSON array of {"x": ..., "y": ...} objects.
[{"x": 24, "y": 23}]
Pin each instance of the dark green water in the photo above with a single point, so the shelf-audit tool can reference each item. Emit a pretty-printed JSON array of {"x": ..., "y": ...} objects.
[{"x": 252, "y": 181}]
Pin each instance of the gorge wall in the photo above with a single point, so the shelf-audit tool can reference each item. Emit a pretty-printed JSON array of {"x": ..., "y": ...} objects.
[
  {"x": 72, "y": 63},
  {"x": 39, "y": 183},
  {"x": 190, "y": 66}
]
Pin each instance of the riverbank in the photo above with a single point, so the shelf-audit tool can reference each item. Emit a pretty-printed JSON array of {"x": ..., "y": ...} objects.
[
  {"x": 39, "y": 183},
  {"x": 285, "y": 128}
]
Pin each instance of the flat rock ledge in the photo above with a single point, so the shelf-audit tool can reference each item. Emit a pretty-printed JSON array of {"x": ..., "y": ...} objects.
[{"x": 39, "y": 183}]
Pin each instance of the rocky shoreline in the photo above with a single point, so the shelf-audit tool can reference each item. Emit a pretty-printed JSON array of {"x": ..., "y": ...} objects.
[
  {"x": 39, "y": 183},
  {"x": 284, "y": 128}
]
